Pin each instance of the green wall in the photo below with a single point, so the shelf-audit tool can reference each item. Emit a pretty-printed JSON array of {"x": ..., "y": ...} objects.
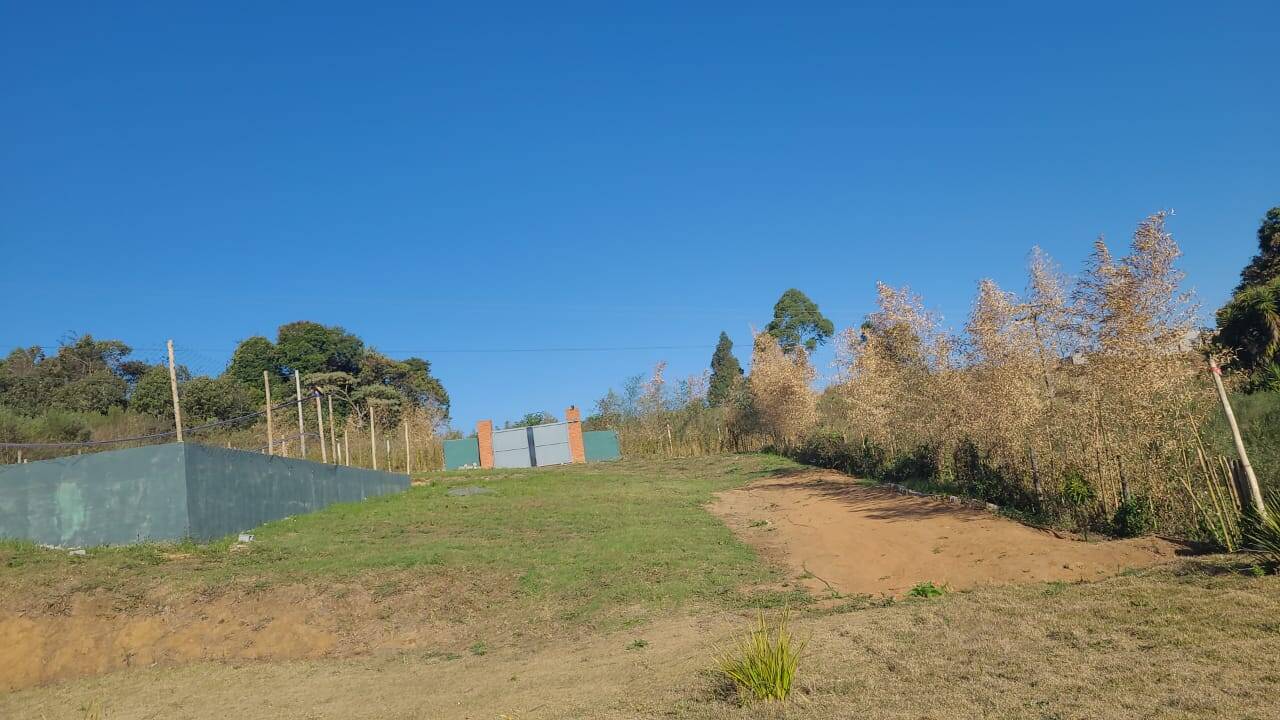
[
  {"x": 170, "y": 492},
  {"x": 461, "y": 453},
  {"x": 106, "y": 498},
  {"x": 233, "y": 490},
  {"x": 601, "y": 445}
]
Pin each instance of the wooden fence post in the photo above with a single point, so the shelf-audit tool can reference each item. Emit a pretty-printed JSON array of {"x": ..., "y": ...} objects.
[
  {"x": 333, "y": 438},
  {"x": 266, "y": 384},
  {"x": 173, "y": 385},
  {"x": 302, "y": 430},
  {"x": 373, "y": 437},
  {"x": 346, "y": 447},
  {"x": 324, "y": 452}
]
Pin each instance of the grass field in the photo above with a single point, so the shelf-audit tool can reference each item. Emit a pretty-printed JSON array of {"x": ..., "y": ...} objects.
[
  {"x": 588, "y": 539},
  {"x": 603, "y": 592}
]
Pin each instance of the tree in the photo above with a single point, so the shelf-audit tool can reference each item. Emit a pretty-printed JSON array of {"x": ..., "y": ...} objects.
[
  {"x": 1249, "y": 324},
  {"x": 782, "y": 402},
  {"x": 726, "y": 372},
  {"x": 152, "y": 394},
  {"x": 251, "y": 357},
  {"x": 1265, "y": 266},
  {"x": 797, "y": 321},
  {"x": 309, "y": 347},
  {"x": 205, "y": 399}
]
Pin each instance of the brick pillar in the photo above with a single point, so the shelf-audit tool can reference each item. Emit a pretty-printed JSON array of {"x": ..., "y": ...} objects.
[
  {"x": 484, "y": 438},
  {"x": 577, "y": 450}
]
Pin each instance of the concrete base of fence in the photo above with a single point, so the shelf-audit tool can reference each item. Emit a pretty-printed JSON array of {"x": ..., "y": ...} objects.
[{"x": 170, "y": 492}]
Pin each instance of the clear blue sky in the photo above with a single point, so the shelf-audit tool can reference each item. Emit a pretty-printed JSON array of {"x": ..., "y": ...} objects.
[{"x": 472, "y": 176}]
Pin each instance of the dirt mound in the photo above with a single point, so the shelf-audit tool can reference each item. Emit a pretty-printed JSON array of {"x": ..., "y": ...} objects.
[
  {"x": 833, "y": 533},
  {"x": 81, "y": 634}
]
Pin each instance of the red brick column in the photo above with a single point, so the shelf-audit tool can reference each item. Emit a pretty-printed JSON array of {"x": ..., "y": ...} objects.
[
  {"x": 577, "y": 450},
  {"x": 484, "y": 437}
]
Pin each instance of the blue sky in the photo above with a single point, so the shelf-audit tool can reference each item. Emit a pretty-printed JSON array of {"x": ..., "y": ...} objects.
[{"x": 486, "y": 176}]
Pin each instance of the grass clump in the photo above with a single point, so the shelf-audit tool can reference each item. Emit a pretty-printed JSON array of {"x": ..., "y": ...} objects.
[
  {"x": 762, "y": 666},
  {"x": 1264, "y": 533}
]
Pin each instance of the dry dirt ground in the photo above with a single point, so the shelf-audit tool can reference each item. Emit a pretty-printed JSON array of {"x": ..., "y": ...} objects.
[
  {"x": 1191, "y": 640},
  {"x": 837, "y": 534}
]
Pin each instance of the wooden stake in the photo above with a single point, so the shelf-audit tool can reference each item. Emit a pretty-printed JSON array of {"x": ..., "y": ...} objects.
[
  {"x": 408, "y": 463},
  {"x": 346, "y": 447},
  {"x": 1255, "y": 493},
  {"x": 271, "y": 441},
  {"x": 333, "y": 438},
  {"x": 373, "y": 437},
  {"x": 302, "y": 430},
  {"x": 173, "y": 385},
  {"x": 324, "y": 452}
]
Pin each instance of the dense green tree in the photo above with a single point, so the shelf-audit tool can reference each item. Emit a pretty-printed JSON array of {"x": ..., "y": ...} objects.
[
  {"x": 1265, "y": 266},
  {"x": 251, "y": 357},
  {"x": 205, "y": 399},
  {"x": 797, "y": 321},
  {"x": 309, "y": 347},
  {"x": 152, "y": 394},
  {"x": 85, "y": 375},
  {"x": 726, "y": 372},
  {"x": 1249, "y": 324}
]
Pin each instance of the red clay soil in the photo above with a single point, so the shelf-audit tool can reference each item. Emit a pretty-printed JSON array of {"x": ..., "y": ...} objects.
[{"x": 833, "y": 533}]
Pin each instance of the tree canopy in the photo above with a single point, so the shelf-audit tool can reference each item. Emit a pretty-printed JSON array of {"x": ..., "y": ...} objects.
[
  {"x": 1249, "y": 324},
  {"x": 726, "y": 372},
  {"x": 798, "y": 321}
]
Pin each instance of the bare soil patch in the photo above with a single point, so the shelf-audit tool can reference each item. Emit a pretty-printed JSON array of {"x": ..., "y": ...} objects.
[
  {"x": 833, "y": 533},
  {"x": 90, "y": 633}
]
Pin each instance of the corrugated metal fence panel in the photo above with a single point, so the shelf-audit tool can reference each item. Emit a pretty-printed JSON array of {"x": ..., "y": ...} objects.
[
  {"x": 551, "y": 444},
  {"x": 601, "y": 445},
  {"x": 107, "y": 498},
  {"x": 511, "y": 448},
  {"x": 461, "y": 453}
]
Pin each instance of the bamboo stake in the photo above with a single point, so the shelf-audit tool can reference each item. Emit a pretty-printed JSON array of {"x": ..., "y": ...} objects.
[
  {"x": 266, "y": 384},
  {"x": 324, "y": 453},
  {"x": 173, "y": 385},
  {"x": 408, "y": 463},
  {"x": 373, "y": 438},
  {"x": 302, "y": 431},
  {"x": 1255, "y": 493}
]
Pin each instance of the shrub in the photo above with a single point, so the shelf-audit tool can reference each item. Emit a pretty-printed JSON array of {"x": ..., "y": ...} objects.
[
  {"x": 763, "y": 664},
  {"x": 1133, "y": 518},
  {"x": 927, "y": 589},
  {"x": 1263, "y": 534}
]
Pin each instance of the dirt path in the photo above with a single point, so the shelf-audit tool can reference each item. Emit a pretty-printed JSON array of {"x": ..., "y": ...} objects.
[{"x": 833, "y": 533}]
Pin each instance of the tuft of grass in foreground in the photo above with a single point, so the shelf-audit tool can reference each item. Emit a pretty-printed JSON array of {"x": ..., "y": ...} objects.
[
  {"x": 585, "y": 543},
  {"x": 763, "y": 664}
]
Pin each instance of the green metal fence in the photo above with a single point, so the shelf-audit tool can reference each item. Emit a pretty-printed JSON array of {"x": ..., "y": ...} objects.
[{"x": 170, "y": 492}]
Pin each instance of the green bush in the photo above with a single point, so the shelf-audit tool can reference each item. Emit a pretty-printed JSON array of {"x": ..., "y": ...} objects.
[{"x": 1133, "y": 518}]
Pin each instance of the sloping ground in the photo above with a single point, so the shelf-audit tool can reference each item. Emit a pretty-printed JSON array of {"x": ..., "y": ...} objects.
[
  {"x": 833, "y": 533},
  {"x": 1192, "y": 642}
]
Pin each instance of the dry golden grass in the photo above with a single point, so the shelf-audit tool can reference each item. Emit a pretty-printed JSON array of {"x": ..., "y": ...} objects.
[{"x": 1192, "y": 642}]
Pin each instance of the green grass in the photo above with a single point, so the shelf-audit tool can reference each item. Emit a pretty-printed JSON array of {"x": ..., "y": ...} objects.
[{"x": 584, "y": 539}]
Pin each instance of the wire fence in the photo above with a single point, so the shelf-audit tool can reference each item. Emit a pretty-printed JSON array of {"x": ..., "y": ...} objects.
[{"x": 311, "y": 424}]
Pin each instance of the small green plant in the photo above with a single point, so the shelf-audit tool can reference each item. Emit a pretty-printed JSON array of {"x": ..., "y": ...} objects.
[
  {"x": 927, "y": 589},
  {"x": 762, "y": 666},
  {"x": 1133, "y": 518},
  {"x": 1078, "y": 495},
  {"x": 479, "y": 649},
  {"x": 638, "y": 644},
  {"x": 1263, "y": 533}
]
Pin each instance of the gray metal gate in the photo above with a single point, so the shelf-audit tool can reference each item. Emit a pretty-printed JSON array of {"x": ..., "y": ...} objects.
[
  {"x": 511, "y": 448},
  {"x": 551, "y": 444},
  {"x": 536, "y": 445}
]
